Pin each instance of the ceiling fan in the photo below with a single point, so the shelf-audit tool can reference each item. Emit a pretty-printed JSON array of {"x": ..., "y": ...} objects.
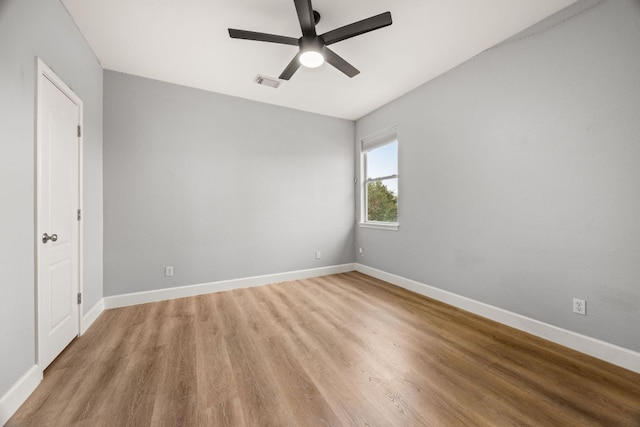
[{"x": 313, "y": 50}]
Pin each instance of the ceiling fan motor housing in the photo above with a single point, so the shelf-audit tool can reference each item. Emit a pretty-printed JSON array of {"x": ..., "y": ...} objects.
[{"x": 311, "y": 43}]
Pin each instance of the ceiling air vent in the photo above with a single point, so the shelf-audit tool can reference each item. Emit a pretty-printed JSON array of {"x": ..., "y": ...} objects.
[{"x": 267, "y": 81}]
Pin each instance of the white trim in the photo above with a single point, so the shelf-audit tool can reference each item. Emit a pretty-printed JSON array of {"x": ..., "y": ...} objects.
[
  {"x": 223, "y": 285},
  {"x": 394, "y": 226},
  {"x": 81, "y": 326},
  {"x": 379, "y": 138},
  {"x": 19, "y": 393},
  {"x": 611, "y": 353},
  {"x": 92, "y": 315},
  {"x": 22, "y": 389}
]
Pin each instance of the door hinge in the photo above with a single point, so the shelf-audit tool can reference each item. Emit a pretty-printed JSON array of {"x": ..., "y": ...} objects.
[
  {"x": 79, "y": 131},
  {"x": 79, "y": 298},
  {"x": 79, "y": 214}
]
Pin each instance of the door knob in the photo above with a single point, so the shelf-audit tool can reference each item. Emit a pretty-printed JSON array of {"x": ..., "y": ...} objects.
[{"x": 46, "y": 238}]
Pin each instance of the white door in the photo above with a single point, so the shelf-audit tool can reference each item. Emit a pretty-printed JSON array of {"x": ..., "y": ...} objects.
[{"x": 58, "y": 181}]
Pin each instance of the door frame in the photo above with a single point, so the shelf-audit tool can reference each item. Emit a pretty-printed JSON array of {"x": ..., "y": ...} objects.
[{"x": 46, "y": 72}]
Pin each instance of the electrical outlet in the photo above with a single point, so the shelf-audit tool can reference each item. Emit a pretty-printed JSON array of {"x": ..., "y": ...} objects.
[
  {"x": 168, "y": 271},
  {"x": 318, "y": 254},
  {"x": 361, "y": 251},
  {"x": 580, "y": 306}
]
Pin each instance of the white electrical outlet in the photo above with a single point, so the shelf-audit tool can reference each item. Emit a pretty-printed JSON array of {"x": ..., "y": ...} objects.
[
  {"x": 361, "y": 251},
  {"x": 580, "y": 306},
  {"x": 318, "y": 254},
  {"x": 168, "y": 271}
]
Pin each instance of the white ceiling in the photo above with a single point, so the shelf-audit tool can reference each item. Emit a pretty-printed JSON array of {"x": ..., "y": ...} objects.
[{"x": 186, "y": 42}]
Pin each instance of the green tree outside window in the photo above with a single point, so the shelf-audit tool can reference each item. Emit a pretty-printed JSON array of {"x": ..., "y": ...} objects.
[{"x": 382, "y": 203}]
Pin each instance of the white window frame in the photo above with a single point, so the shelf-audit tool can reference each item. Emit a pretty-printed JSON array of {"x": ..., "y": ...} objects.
[{"x": 367, "y": 144}]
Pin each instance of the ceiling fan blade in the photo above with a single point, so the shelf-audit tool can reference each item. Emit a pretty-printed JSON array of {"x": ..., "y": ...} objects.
[
  {"x": 261, "y": 37},
  {"x": 305, "y": 16},
  {"x": 291, "y": 68},
  {"x": 334, "y": 59},
  {"x": 357, "y": 28}
]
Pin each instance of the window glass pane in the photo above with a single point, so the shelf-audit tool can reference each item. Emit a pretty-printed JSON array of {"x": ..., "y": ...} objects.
[
  {"x": 383, "y": 161},
  {"x": 382, "y": 200}
]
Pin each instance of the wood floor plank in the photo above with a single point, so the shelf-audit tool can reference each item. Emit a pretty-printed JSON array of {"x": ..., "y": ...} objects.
[
  {"x": 225, "y": 414},
  {"x": 216, "y": 388},
  {"x": 176, "y": 401},
  {"x": 135, "y": 394},
  {"x": 340, "y": 350},
  {"x": 260, "y": 397}
]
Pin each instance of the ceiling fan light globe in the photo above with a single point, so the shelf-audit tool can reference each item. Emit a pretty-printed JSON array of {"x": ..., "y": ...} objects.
[{"x": 311, "y": 59}]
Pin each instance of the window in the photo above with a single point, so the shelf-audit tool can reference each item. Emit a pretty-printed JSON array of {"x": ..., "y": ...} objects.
[{"x": 380, "y": 180}]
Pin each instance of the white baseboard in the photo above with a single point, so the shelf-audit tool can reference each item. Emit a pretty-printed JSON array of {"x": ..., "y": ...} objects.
[
  {"x": 19, "y": 392},
  {"x": 92, "y": 315},
  {"x": 611, "y": 353},
  {"x": 224, "y": 285},
  {"x": 22, "y": 389}
]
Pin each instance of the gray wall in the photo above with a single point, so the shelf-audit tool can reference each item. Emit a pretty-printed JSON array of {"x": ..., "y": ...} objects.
[
  {"x": 520, "y": 177},
  {"x": 30, "y": 28},
  {"x": 219, "y": 187}
]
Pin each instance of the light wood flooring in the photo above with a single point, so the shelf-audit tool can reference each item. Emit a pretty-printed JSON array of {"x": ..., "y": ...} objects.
[{"x": 341, "y": 350}]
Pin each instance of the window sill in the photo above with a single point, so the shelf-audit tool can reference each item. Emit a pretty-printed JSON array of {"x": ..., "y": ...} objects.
[{"x": 393, "y": 226}]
